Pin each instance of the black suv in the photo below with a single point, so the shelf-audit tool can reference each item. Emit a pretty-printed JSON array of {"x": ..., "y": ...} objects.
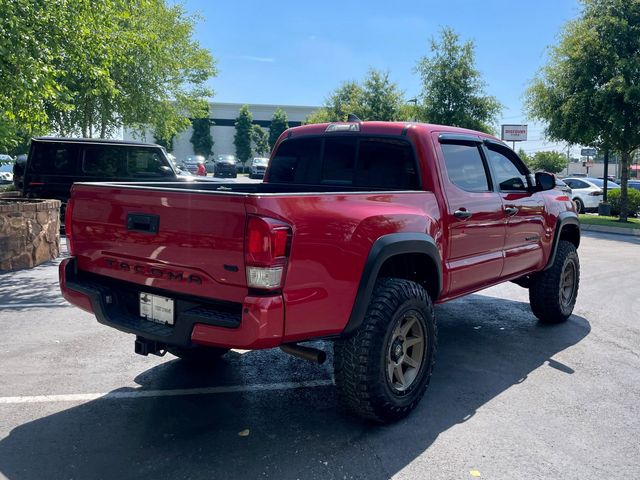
[{"x": 54, "y": 164}]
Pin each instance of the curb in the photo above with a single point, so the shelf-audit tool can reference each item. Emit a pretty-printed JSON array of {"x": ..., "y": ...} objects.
[{"x": 632, "y": 232}]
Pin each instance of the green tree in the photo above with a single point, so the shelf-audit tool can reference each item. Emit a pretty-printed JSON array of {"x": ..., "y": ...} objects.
[
  {"x": 260, "y": 139},
  {"x": 167, "y": 143},
  {"x": 527, "y": 159},
  {"x": 376, "y": 99},
  {"x": 80, "y": 67},
  {"x": 381, "y": 98},
  {"x": 242, "y": 138},
  {"x": 588, "y": 93},
  {"x": 452, "y": 87},
  {"x": 278, "y": 125},
  {"x": 201, "y": 136},
  {"x": 552, "y": 162}
]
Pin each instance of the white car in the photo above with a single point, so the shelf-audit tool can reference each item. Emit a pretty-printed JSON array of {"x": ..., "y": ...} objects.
[
  {"x": 587, "y": 192},
  {"x": 258, "y": 167}
]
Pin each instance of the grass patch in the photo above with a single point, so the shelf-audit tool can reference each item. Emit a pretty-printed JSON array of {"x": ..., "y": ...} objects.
[{"x": 608, "y": 221}]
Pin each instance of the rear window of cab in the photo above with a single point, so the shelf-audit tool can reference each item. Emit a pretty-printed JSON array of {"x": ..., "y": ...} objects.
[{"x": 359, "y": 161}]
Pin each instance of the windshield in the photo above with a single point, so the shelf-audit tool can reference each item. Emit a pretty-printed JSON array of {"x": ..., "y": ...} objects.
[{"x": 260, "y": 161}]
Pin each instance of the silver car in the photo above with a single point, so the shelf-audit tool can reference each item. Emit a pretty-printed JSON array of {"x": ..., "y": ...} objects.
[{"x": 258, "y": 167}]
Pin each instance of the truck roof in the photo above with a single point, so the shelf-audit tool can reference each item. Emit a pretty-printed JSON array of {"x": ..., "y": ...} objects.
[
  {"x": 94, "y": 141},
  {"x": 388, "y": 128}
]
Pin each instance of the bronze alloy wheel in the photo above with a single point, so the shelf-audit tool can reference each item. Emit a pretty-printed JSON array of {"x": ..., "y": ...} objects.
[
  {"x": 568, "y": 285},
  {"x": 405, "y": 352}
]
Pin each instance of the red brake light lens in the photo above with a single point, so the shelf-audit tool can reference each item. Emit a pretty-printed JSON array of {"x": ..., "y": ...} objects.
[{"x": 267, "y": 241}]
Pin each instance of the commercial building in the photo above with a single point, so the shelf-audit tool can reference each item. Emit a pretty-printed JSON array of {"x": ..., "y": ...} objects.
[{"x": 223, "y": 129}]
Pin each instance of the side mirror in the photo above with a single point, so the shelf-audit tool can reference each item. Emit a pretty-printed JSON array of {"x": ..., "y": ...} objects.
[{"x": 545, "y": 181}]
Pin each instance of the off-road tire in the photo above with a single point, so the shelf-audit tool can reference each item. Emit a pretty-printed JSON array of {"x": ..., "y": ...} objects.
[
  {"x": 553, "y": 292},
  {"x": 198, "y": 354},
  {"x": 361, "y": 362}
]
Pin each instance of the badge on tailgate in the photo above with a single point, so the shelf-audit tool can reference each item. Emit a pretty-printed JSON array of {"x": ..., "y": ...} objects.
[{"x": 156, "y": 308}]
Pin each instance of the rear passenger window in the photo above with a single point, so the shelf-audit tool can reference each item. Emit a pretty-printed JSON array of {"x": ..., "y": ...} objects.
[
  {"x": 54, "y": 158},
  {"x": 104, "y": 161},
  {"x": 465, "y": 167}
]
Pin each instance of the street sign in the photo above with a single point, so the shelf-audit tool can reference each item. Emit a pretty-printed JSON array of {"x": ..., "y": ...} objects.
[
  {"x": 514, "y": 133},
  {"x": 588, "y": 152}
]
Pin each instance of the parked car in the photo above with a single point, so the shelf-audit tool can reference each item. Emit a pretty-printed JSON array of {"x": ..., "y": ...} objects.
[
  {"x": 6, "y": 178},
  {"x": 359, "y": 228},
  {"x": 18, "y": 171},
  {"x": 258, "y": 167},
  {"x": 635, "y": 184},
  {"x": 225, "y": 166},
  {"x": 563, "y": 187},
  {"x": 587, "y": 192},
  {"x": 55, "y": 164},
  {"x": 191, "y": 163}
]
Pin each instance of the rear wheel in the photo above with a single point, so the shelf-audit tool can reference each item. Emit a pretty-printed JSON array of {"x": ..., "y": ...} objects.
[
  {"x": 198, "y": 354},
  {"x": 579, "y": 205},
  {"x": 383, "y": 370},
  {"x": 553, "y": 293}
]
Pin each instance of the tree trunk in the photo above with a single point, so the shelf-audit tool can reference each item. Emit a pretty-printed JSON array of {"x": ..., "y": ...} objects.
[{"x": 625, "y": 162}]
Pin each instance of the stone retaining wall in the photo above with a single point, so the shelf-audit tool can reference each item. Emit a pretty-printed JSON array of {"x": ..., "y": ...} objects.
[{"x": 29, "y": 232}]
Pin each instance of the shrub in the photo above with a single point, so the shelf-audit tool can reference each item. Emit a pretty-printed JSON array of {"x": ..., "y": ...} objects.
[{"x": 633, "y": 196}]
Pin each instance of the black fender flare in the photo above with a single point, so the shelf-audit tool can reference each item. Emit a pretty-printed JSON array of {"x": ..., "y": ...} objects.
[
  {"x": 383, "y": 249},
  {"x": 564, "y": 219}
]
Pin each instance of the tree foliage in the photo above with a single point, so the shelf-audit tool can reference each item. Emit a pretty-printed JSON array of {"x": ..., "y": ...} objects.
[
  {"x": 201, "y": 138},
  {"x": 83, "y": 67},
  {"x": 588, "y": 93},
  {"x": 278, "y": 125},
  {"x": 242, "y": 138},
  {"x": 526, "y": 158},
  {"x": 377, "y": 98},
  {"x": 452, "y": 87},
  {"x": 550, "y": 161},
  {"x": 260, "y": 140}
]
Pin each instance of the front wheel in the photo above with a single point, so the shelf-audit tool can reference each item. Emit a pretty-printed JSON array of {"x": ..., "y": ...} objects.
[
  {"x": 553, "y": 292},
  {"x": 383, "y": 370}
]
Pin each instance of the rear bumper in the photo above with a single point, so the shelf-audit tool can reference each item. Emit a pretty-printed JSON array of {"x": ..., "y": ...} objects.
[{"x": 256, "y": 323}]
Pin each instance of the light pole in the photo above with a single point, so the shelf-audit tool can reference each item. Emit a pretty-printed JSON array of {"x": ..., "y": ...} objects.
[{"x": 414, "y": 100}]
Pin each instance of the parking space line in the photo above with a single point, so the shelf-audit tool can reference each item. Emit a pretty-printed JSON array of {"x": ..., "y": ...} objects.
[{"x": 139, "y": 393}]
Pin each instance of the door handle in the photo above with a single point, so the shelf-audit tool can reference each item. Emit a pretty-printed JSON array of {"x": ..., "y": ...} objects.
[
  {"x": 511, "y": 210},
  {"x": 462, "y": 213}
]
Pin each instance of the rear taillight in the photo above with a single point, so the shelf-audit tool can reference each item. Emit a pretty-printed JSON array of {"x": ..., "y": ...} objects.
[
  {"x": 68, "y": 213},
  {"x": 595, "y": 193},
  {"x": 268, "y": 242}
]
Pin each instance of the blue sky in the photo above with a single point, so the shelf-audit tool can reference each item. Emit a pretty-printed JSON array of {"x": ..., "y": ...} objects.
[{"x": 296, "y": 53}]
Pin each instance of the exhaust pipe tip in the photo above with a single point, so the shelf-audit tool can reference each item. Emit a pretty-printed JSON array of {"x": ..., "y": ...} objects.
[{"x": 306, "y": 353}]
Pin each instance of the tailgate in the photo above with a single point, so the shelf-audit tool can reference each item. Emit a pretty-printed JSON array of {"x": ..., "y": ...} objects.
[{"x": 186, "y": 242}]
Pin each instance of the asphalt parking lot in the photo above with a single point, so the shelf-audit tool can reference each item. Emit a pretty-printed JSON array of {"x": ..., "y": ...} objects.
[{"x": 509, "y": 398}]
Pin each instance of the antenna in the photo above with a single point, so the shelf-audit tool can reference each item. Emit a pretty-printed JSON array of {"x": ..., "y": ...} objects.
[{"x": 353, "y": 118}]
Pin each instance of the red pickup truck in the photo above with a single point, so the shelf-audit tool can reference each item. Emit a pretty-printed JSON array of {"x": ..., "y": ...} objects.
[{"x": 356, "y": 231}]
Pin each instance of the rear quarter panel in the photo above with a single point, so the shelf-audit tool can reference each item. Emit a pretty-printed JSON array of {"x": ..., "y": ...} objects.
[{"x": 332, "y": 236}]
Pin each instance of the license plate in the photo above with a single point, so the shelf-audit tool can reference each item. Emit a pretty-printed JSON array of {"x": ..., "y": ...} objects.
[{"x": 156, "y": 308}]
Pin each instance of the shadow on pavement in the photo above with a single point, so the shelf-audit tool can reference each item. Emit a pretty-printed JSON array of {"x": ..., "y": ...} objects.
[
  {"x": 38, "y": 285},
  {"x": 486, "y": 345}
]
